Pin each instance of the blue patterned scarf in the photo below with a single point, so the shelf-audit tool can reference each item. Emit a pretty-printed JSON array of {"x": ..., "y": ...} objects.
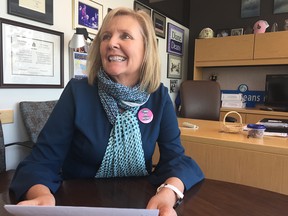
[{"x": 124, "y": 155}]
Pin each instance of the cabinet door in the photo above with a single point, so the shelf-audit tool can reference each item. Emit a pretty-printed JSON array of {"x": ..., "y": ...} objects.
[
  {"x": 271, "y": 45},
  {"x": 224, "y": 49}
]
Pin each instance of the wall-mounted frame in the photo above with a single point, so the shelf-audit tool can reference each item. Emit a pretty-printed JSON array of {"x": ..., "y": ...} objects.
[
  {"x": 174, "y": 67},
  {"x": 237, "y": 32},
  {"x": 87, "y": 14},
  {"x": 280, "y": 6},
  {"x": 30, "y": 56},
  {"x": 79, "y": 65},
  {"x": 159, "y": 22},
  {"x": 41, "y": 11},
  {"x": 175, "y": 39},
  {"x": 139, "y": 6},
  {"x": 250, "y": 8}
]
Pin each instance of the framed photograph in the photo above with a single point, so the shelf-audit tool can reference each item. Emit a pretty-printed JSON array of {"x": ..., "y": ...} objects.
[
  {"x": 250, "y": 8},
  {"x": 223, "y": 32},
  {"x": 38, "y": 10},
  {"x": 174, "y": 67},
  {"x": 237, "y": 32},
  {"x": 175, "y": 39},
  {"x": 31, "y": 57},
  {"x": 159, "y": 22},
  {"x": 87, "y": 14},
  {"x": 174, "y": 87},
  {"x": 139, "y": 6},
  {"x": 280, "y": 6}
]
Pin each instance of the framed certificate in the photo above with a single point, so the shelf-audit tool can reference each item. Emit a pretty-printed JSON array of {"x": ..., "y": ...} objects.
[
  {"x": 31, "y": 57},
  {"x": 38, "y": 10}
]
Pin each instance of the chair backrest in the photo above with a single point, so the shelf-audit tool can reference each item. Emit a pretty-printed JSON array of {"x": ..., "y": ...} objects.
[
  {"x": 35, "y": 114},
  {"x": 2, "y": 151},
  {"x": 200, "y": 99}
]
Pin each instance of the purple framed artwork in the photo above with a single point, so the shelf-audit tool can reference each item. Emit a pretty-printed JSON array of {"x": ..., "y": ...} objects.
[
  {"x": 87, "y": 14},
  {"x": 175, "y": 39}
]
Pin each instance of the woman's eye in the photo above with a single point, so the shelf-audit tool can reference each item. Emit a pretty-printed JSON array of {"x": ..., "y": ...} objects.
[
  {"x": 126, "y": 36},
  {"x": 105, "y": 37}
]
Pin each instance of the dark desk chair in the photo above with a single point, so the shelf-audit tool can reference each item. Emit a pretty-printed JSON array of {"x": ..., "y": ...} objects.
[
  {"x": 2, "y": 151},
  {"x": 35, "y": 114},
  {"x": 200, "y": 99}
]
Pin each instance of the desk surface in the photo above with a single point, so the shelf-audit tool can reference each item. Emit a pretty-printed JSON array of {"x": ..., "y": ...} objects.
[
  {"x": 261, "y": 163},
  {"x": 210, "y": 197},
  {"x": 210, "y": 132}
]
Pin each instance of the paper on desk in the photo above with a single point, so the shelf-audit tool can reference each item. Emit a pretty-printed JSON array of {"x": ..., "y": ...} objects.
[{"x": 19, "y": 210}]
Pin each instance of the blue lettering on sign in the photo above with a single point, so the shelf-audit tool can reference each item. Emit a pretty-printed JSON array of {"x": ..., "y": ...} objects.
[
  {"x": 251, "y": 97},
  {"x": 176, "y": 46}
]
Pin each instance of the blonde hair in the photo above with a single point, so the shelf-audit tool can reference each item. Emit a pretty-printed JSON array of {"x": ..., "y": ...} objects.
[{"x": 150, "y": 68}]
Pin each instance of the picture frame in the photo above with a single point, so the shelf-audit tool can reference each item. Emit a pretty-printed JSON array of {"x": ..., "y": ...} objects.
[
  {"x": 174, "y": 66},
  {"x": 237, "y": 32},
  {"x": 31, "y": 57},
  {"x": 139, "y": 6},
  {"x": 280, "y": 6},
  {"x": 79, "y": 65},
  {"x": 40, "y": 11},
  {"x": 159, "y": 22},
  {"x": 175, "y": 39},
  {"x": 250, "y": 8},
  {"x": 87, "y": 14},
  {"x": 223, "y": 32}
]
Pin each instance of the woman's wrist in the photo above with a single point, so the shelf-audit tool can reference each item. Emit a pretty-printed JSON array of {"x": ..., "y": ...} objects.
[
  {"x": 178, "y": 194},
  {"x": 175, "y": 187}
]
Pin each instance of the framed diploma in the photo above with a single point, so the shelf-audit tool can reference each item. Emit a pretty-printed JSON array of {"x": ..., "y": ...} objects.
[
  {"x": 39, "y": 10},
  {"x": 30, "y": 57}
]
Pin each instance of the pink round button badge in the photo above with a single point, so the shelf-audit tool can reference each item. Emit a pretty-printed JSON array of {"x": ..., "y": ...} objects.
[{"x": 145, "y": 115}]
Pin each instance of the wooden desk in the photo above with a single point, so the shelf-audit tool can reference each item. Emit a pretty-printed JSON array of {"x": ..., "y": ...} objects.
[
  {"x": 210, "y": 197},
  {"x": 261, "y": 163}
]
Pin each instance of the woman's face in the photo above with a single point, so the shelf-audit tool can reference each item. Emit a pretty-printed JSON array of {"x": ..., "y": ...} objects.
[{"x": 122, "y": 50}]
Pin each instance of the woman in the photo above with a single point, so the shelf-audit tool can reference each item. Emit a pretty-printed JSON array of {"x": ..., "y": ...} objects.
[{"x": 108, "y": 125}]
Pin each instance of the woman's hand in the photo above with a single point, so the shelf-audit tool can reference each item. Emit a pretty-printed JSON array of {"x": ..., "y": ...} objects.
[
  {"x": 163, "y": 204},
  {"x": 39, "y": 195},
  {"x": 166, "y": 198}
]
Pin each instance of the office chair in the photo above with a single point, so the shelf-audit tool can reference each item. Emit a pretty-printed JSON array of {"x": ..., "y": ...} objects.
[
  {"x": 2, "y": 151},
  {"x": 35, "y": 114},
  {"x": 200, "y": 99}
]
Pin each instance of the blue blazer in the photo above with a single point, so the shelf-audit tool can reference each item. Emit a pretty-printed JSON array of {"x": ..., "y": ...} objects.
[{"x": 72, "y": 143}]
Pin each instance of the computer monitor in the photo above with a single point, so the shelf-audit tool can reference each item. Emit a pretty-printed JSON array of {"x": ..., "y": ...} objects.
[{"x": 276, "y": 91}]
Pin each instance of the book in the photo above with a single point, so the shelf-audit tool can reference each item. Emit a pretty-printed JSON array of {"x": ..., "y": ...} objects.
[
  {"x": 233, "y": 104},
  {"x": 232, "y": 97},
  {"x": 275, "y": 125}
]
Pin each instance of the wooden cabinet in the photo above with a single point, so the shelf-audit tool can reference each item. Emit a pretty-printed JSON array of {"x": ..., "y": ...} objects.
[
  {"x": 271, "y": 45},
  {"x": 244, "y": 50},
  {"x": 218, "y": 50},
  {"x": 253, "y": 115}
]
